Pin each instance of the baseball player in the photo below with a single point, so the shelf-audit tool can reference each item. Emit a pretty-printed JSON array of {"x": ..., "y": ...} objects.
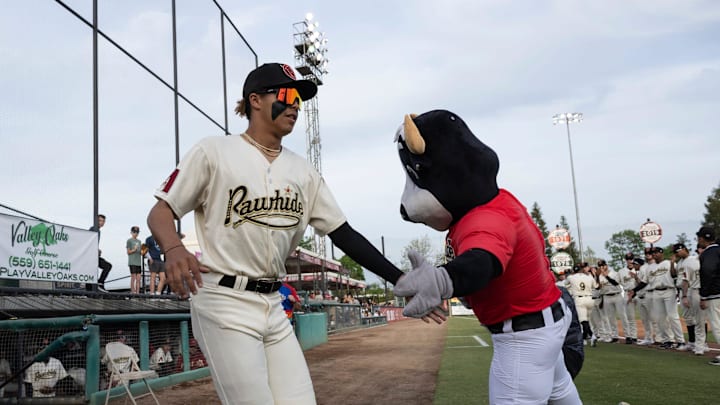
[
  {"x": 643, "y": 295},
  {"x": 665, "y": 302},
  {"x": 613, "y": 301},
  {"x": 580, "y": 286},
  {"x": 627, "y": 280},
  {"x": 44, "y": 376},
  {"x": 253, "y": 200},
  {"x": 598, "y": 321},
  {"x": 689, "y": 273}
]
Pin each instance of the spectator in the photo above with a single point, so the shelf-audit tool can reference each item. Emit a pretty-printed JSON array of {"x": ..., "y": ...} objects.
[
  {"x": 161, "y": 360},
  {"x": 134, "y": 246},
  {"x": 103, "y": 264},
  {"x": 157, "y": 265}
]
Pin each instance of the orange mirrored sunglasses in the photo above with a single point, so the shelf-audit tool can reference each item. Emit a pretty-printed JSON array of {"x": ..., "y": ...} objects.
[{"x": 287, "y": 95}]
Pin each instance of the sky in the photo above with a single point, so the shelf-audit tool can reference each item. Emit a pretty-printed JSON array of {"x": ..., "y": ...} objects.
[{"x": 645, "y": 74}]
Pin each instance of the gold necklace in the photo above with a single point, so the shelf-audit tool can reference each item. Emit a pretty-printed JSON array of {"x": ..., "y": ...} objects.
[{"x": 264, "y": 149}]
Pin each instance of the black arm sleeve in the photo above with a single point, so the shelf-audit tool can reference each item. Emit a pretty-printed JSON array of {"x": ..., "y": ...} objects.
[
  {"x": 364, "y": 253},
  {"x": 611, "y": 281},
  {"x": 472, "y": 271},
  {"x": 639, "y": 287}
]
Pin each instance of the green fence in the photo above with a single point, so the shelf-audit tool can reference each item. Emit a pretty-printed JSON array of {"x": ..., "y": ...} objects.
[{"x": 32, "y": 349}]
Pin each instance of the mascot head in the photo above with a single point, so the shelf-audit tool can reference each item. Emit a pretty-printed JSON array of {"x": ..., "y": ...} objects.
[{"x": 448, "y": 170}]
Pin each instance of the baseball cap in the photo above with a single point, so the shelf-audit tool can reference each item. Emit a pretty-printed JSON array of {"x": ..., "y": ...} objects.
[
  {"x": 135, "y": 229},
  {"x": 706, "y": 232},
  {"x": 601, "y": 262},
  {"x": 679, "y": 246},
  {"x": 629, "y": 256},
  {"x": 658, "y": 249},
  {"x": 638, "y": 261},
  {"x": 275, "y": 76}
]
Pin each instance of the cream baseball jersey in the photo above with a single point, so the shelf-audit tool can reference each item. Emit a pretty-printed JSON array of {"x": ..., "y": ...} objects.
[
  {"x": 660, "y": 276},
  {"x": 581, "y": 284},
  {"x": 689, "y": 269},
  {"x": 248, "y": 217}
]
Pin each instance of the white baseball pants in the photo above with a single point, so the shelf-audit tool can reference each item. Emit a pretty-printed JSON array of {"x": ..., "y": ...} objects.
[
  {"x": 253, "y": 354},
  {"x": 528, "y": 366}
]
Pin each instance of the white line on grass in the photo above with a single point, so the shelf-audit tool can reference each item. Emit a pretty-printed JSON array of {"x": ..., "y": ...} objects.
[{"x": 479, "y": 340}]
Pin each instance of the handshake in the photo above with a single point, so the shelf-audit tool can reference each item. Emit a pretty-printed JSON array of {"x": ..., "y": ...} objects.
[{"x": 427, "y": 285}]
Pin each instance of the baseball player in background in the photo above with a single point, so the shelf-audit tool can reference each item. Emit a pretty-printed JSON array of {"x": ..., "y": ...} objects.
[
  {"x": 253, "y": 200},
  {"x": 613, "y": 301},
  {"x": 665, "y": 302},
  {"x": 627, "y": 280},
  {"x": 598, "y": 321},
  {"x": 688, "y": 268},
  {"x": 580, "y": 286},
  {"x": 643, "y": 295}
]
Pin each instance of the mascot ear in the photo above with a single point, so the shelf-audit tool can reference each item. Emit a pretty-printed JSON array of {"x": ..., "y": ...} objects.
[{"x": 413, "y": 139}]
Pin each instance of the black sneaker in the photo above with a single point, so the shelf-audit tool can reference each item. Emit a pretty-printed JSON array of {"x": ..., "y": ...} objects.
[
  {"x": 714, "y": 362},
  {"x": 614, "y": 340},
  {"x": 628, "y": 341},
  {"x": 666, "y": 345}
]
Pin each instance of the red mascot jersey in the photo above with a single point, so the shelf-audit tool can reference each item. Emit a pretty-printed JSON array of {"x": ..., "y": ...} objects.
[{"x": 504, "y": 228}]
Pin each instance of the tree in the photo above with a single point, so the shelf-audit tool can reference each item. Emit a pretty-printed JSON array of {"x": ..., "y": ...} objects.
[
  {"x": 536, "y": 215},
  {"x": 572, "y": 249},
  {"x": 589, "y": 255},
  {"x": 307, "y": 243},
  {"x": 683, "y": 238},
  {"x": 712, "y": 215},
  {"x": 424, "y": 247},
  {"x": 356, "y": 271},
  {"x": 621, "y": 243}
]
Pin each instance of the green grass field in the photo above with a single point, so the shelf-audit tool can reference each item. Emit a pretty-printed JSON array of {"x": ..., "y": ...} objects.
[{"x": 612, "y": 372}]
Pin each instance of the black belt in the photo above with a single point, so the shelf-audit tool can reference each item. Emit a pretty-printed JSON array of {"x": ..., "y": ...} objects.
[
  {"x": 532, "y": 320},
  {"x": 596, "y": 298},
  {"x": 264, "y": 287},
  {"x": 611, "y": 294},
  {"x": 661, "y": 289}
]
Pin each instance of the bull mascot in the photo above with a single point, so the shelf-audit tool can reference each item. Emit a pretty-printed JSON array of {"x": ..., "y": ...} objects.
[{"x": 495, "y": 259}]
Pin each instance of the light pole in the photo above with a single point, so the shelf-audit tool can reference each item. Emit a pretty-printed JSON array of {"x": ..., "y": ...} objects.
[
  {"x": 567, "y": 118},
  {"x": 311, "y": 62}
]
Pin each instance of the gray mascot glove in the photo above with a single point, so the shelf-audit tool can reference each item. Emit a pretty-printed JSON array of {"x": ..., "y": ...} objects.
[{"x": 427, "y": 284}]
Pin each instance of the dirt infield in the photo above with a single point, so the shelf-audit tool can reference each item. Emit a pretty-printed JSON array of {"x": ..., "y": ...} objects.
[{"x": 394, "y": 364}]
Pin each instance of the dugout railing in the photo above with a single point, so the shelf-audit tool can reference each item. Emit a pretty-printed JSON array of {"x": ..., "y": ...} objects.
[
  {"x": 343, "y": 317},
  {"x": 78, "y": 344}
]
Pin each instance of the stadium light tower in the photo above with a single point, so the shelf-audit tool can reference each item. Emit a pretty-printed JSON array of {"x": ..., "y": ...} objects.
[
  {"x": 310, "y": 49},
  {"x": 567, "y": 118}
]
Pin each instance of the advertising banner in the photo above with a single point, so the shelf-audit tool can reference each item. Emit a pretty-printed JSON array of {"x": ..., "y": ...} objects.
[{"x": 43, "y": 251}]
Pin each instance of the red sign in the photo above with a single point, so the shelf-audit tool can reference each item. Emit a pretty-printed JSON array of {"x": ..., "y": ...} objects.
[{"x": 559, "y": 238}]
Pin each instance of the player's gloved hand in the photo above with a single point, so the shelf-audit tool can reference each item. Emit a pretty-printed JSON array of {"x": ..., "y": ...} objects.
[{"x": 427, "y": 284}]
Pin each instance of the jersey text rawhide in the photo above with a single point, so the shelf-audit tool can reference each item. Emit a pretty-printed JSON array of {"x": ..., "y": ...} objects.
[{"x": 275, "y": 212}]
